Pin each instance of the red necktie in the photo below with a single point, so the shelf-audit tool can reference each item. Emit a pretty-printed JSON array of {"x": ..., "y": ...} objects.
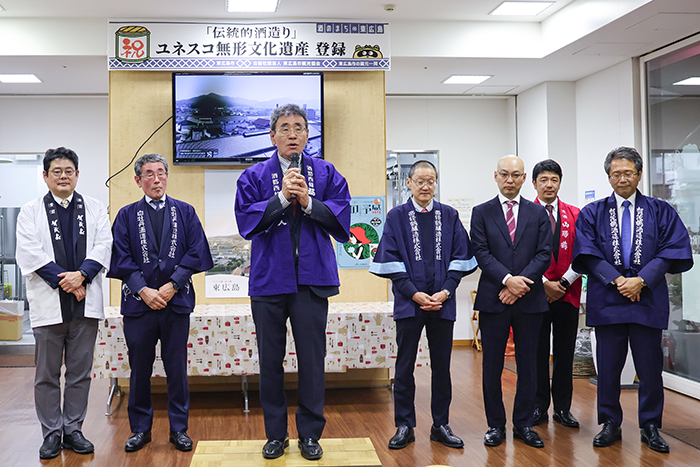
[
  {"x": 510, "y": 220},
  {"x": 550, "y": 210}
]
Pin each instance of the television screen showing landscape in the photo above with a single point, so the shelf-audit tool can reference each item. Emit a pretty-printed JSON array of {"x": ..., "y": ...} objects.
[{"x": 225, "y": 118}]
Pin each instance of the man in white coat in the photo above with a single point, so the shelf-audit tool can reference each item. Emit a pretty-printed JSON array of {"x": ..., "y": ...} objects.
[{"x": 64, "y": 244}]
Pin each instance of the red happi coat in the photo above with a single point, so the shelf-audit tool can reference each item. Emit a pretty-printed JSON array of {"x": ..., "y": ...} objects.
[{"x": 568, "y": 215}]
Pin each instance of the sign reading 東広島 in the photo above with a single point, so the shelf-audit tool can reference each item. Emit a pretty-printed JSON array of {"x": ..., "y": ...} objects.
[
  {"x": 367, "y": 217},
  {"x": 249, "y": 46}
]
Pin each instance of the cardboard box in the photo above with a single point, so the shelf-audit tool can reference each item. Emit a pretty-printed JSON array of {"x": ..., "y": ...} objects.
[
  {"x": 12, "y": 307},
  {"x": 11, "y": 327}
]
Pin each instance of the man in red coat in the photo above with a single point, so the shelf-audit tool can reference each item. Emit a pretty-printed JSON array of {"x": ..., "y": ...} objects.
[{"x": 563, "y": 288}]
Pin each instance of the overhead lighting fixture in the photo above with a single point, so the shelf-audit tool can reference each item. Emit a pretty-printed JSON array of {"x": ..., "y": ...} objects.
[
  {"x": 692, "y": 81},
  {"x": 18, "y": 78},
  {"x": 1, "y": 8},
  {"x": 466, "y": 79},
  {"x": 521, "y": 8},
  {"x": 252, "y": 6}
]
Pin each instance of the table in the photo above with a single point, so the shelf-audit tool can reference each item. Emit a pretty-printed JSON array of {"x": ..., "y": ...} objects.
[{"x": 222, "y": 343}]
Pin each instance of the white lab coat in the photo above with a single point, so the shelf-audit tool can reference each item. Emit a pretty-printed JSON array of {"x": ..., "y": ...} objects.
[{"x": 35, "y": 250}]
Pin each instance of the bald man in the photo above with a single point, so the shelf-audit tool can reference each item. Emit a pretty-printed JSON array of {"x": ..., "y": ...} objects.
[{"x": 512, "y": 241}]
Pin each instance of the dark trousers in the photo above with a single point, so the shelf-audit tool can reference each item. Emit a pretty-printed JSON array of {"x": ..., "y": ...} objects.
[
  {"x": 611, "y": 353},
  {"x": 439, "y": 333},
  {"x": 495, "y": 329},
  {"x": 142, "y": 334},
  {"x": 562, "y": 321},
  {"x": 308, "y": 314}
]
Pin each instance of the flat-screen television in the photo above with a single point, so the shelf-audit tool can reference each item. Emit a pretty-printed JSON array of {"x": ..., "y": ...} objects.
[{"x": 224, "y": 118}]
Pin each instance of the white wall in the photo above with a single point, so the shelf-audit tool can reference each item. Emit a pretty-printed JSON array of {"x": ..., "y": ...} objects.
[
  {"x": 606, "y": 118},
  {"x": 533, "y": 139},
  {"x": 471, "y": 135},
  {"x": 547, "y": 130},
  {"x": 34, "y": 124}
]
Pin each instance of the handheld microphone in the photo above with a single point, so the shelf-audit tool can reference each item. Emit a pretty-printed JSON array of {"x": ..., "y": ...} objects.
[{"x": 294, "y": 165}]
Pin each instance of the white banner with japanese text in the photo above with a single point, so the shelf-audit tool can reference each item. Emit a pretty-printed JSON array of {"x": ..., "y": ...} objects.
[{"x": 180, "y": 46}]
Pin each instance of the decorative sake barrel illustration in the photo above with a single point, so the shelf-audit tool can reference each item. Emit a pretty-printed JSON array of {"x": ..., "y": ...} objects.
[{"x": 133, "y": 44}]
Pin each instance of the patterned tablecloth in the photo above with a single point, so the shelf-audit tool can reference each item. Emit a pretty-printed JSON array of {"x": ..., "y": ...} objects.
[{"x": 222, "y": 341}]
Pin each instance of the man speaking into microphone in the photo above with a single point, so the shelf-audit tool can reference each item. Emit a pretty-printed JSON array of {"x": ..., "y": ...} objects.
[{"x": 290, "y": 206}]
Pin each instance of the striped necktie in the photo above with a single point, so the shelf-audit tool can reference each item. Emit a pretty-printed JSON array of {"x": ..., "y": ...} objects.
[
  {"x": 552, "y": 221},
  {"x": 510, "y": 219}
]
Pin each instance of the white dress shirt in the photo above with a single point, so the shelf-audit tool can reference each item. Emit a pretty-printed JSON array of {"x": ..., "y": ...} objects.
[{"x": 418, "y": 207}]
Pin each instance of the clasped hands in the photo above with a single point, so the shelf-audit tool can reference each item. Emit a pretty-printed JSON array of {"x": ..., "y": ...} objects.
[
  {"x": 294, "y": 183},
  {"x": 516, "y": 287},
  {"x": 158, "y": 299},
  {"x": 430, "y": 302},
  {"x": 72, "y": 282},
  {"x": 554, "y": 291},
  {"x": 629, "y": 287}
]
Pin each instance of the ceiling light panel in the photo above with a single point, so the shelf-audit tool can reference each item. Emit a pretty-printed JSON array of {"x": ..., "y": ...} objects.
[
  {"x": 521, "y": 8},
  {"x": 466, "y": 79},
  {"x": 693, "y": 81},
  {"x": 17, "y": 78},
  {"x": 252, "y": 6}
]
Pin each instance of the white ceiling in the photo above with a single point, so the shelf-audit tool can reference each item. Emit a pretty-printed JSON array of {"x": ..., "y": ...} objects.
[
  {"x": 446, "y": 10},
  {"x": 430, "y": 40}
]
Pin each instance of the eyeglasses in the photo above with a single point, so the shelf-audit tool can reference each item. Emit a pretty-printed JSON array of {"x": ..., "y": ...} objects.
[
  {"x": 150, "y": 176},
  {"x": 285, "y": 130},
  {"x": 626, "y": 175},
  {"x": 506, "y": 175},
  {"x": 58, "y": 172},
  {"x": 422, "y": 183}
]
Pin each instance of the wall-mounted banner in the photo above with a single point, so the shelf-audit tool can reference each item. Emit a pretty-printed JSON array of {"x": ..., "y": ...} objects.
[
  {"x": 367, "y": 217},
  {"x": 249, "y": 46}
]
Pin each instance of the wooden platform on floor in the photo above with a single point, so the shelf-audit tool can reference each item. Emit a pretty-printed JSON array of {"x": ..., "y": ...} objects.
[{"x": 337, "y": 452}]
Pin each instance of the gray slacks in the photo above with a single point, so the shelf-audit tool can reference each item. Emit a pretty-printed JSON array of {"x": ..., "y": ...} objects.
[{"x": 76, "y": 342}]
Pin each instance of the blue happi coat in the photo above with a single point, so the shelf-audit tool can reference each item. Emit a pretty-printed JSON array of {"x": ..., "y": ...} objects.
[
  {"x": 400, "y": 252},
  {"x": 136, "y": 260},
  {"x": 660, "y": 245}
]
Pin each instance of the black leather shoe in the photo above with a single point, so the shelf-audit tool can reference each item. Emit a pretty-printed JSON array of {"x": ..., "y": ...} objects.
[
  {"x": 404, "y": 435},
  {"x": 443, "y": 433},
  {"x": 310, "y": 449},
  {"x": 539, "y": 416},
  {"x": 77, "y": 442},
  {"x": 608, "y": 435},
  {"x": 274, "y": 448},
  {"x": 565, "y": 418},
  {"x": 181, "y": 440},
  {"x": 136, "y": 441},
  {"x": 529, "y": 436},
  {"x": 652, "y": 437},
  {"x": 495, "y": 436},
  {"x": 50, "y": 447}
]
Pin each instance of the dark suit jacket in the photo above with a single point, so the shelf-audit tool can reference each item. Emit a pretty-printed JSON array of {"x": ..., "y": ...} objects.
[{"x": 529, "y": 255}]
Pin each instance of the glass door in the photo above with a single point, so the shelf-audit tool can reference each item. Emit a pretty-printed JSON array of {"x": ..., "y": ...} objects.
[{"x": 672, "y": 94}]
